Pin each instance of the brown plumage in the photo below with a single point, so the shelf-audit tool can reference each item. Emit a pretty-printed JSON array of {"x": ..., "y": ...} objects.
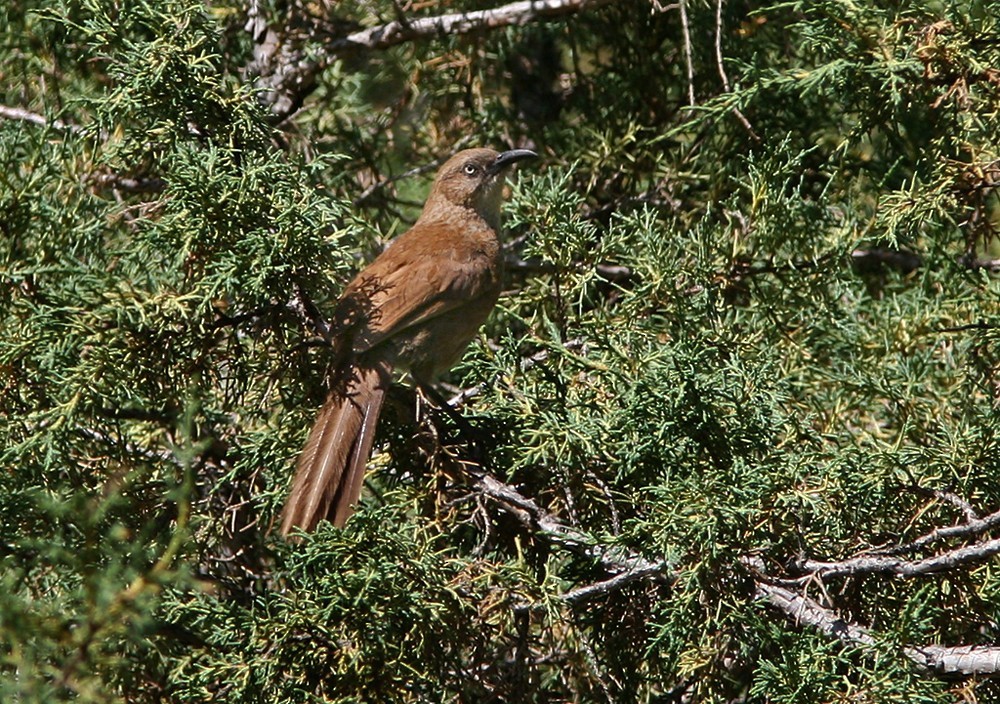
[{"x": 415, "y": 307}]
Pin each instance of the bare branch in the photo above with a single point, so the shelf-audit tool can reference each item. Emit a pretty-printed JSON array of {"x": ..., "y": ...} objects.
[
  {"x": 628, "y": 567},
  {"x": 718, "y": 45},
  {"x": 686, "y": 31},
  {"x": 722, "y": 71},
  {"x": 802, "y": 609},
  {"x": 871, "y": 259},
  {"x": 287, "y": 74},
  {"x": 965, "y": 659},
  {"x": 901, "y": 568},
  {"x": 616, "y": 560},
  {"x": 948, "y": 497},
  {"x": 981, "y": 325},
  {"x": 625, "y": 566},
  {"x": 970, "y": 261},
  {"x": 623, "y": 579},
  {"x": 131, "y": 185},
  {"x": 10, "y": 113},
  {"x": 963, "y": 530},
  {"x": 515, "y": 13}
]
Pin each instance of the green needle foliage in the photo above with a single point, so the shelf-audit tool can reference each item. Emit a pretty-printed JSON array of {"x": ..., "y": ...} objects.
[{"x": 741, "y": 337}]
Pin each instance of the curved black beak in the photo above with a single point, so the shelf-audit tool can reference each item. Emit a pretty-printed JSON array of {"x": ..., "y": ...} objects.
[{"x": 505, "y": 159}]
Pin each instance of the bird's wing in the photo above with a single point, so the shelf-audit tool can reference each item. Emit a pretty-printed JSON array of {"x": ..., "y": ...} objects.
[{"x": 412, "y": 282}]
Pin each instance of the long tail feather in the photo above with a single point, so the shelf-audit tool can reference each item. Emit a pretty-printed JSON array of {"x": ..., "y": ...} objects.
[{"x": 330, "y": 471}]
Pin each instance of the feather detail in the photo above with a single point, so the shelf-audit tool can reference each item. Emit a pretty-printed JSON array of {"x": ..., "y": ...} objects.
[{"x": 330, "y": 471}]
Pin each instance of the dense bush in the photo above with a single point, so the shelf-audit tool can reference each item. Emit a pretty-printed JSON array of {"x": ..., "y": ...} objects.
[{"x": 733, "y": 427}]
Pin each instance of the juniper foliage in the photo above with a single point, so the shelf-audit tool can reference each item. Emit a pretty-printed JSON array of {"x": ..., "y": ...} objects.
[{"x": 741, "y": 337}]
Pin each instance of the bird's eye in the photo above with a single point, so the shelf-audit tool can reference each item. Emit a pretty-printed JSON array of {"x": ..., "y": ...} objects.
[{"x": 470, "y": 169}]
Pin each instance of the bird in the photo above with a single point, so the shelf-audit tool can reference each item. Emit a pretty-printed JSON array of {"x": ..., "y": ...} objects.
[{"x": 415, "y": 308}]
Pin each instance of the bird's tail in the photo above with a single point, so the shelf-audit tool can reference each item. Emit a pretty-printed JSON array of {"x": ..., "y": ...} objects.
[{"x": 331, "y": 468}]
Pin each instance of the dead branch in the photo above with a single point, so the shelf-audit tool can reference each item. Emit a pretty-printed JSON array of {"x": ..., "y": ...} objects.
[
  {"x": 399, "y": 32},
  {"x": 9, "y": 113},
  {"x": 689, "y": 66},
  {"x": 962, "y": 530},
  {"x": 948, "y": 497},
  {"x": 128, "y": 184},
  {"x": 964, "y": 659},
  {"x": 287, "y": 75},
  {"x": 865, "y": 260},
  {"x": 881, "y": 564},
  {"x": 722, "y": 72},
  {"x": 627, "y": 566}
]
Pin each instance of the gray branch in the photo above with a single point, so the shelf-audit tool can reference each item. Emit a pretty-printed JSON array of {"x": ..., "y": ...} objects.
[
  {"x": 617, "y": 561},
  {"x": 881, "y": 564},
  {"x": 515, "y": 13},
  {"x": 626, "y": 567},
  {"x": 977, "y": 526},
  {"x": 964, "y": 659},
  {"x": 9, "y": 113},
  {"x": 286, "y": 73}
]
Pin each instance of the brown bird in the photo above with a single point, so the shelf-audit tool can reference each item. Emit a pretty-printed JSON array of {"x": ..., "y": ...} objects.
[{"x": 415, "y": 307}]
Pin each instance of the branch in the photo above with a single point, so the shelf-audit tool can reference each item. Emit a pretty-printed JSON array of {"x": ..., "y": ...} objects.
[
  {"x": 627, "y": 566},
  {"x": 651, "y": 572},
  {"x": 802, "y": 609},
  {"x": 10, "y": 113},
  {"x": 129, "y": 184},
  {"x": 965, "y": 659},
  {"x": 685, "y": 30},
  {"x": 722, "y": 72},
  {"x": 873, "y": 259},
  {"x": 900, "y": 568},
  {"x": 398, "y": 32},
  {"x": 963, "y": 530},
  {"x": 287, "y": 74},
  {"x": 970, "y": 261},
  {"x": 948, "y": 497},
  {"x": 885, "y": 561}
]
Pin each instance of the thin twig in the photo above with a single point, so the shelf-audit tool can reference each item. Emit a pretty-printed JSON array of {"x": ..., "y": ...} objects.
[
  {"x": 686, "y": 31},
  {"x": 962, "y": 530},
  {"x": 718, "y": 45},
  {"x": 10, "y": 113},
  {"x": 947, "y": 497},
  {"x": 622, "y": 579},
  {"x": 722, "y": 71},
  {"x": 125, "y": 183},
  {"x": 981, "y": 325}
]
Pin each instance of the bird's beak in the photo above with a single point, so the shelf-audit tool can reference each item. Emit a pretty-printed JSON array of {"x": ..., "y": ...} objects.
[{"x": 505, "y": 159}]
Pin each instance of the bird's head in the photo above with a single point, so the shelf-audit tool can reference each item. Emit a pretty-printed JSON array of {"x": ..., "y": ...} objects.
[{"x": 474, "y": 179}]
